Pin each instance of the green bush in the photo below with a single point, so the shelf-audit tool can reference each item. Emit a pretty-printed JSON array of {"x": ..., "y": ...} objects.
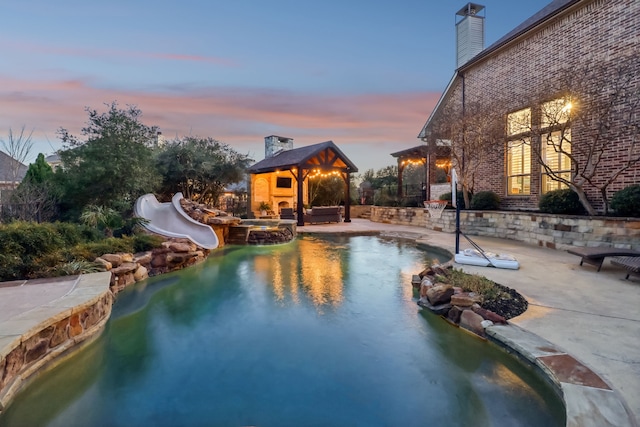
[
  {"x": 27, "y": 239},
  {"x": 92, "y": 250},
  {"x": 146, "y": 242},
  {"x": 485, "y": 200},
  {"x": 564, "y": 201},
  {"x": 382, "y": 198},
  {"x": 459, "y": 198},
  {"x": 73, "y": 234},
  {"x": 626, "y": 202}
]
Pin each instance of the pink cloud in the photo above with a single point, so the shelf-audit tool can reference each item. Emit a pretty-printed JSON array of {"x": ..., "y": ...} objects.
[
  {"x": 371, "y": 126},
  {"x": 111, "y": 53}
]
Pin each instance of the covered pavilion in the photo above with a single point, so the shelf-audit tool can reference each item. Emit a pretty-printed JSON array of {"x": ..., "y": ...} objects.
[
  {"x": 430, "y": 157},
  {"x": 305, "y": 162}
]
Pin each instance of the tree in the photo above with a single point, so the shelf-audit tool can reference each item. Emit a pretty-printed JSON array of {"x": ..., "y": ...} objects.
[
  {"x": 112, "y": 166},
  {"x": 326, "y": 191},
  {"x": 595, "y": 117},
  {"x": 36, "y": 197},
  {"x": 200, "y": 168},
  {"x": 18, "y": 147},
  {"x": 474, "y": 133},
  {"x": 40, "y": 171}
]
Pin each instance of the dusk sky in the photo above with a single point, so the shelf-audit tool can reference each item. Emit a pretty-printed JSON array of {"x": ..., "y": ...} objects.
[{"x": 364, "y": 74}]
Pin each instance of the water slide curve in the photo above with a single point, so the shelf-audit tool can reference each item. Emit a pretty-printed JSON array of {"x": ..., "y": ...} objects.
[{"x": 169, "y": 219}]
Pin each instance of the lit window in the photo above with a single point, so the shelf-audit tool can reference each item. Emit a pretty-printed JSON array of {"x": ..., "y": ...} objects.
[
  {"x": 519, "y": 122},
  {"x": 555, "y": 113},
  {"x": 519, "y": 152},
  {"x": 556, "y": 147},
  {"x": 519, "y": 167}
]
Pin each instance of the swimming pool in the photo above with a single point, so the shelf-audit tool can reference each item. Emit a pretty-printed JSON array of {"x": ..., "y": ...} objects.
[{"x": 317, "y": 332}]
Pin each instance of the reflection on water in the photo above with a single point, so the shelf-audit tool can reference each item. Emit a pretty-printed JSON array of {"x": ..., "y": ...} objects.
[
  {"x": 316, "y": 332},
  {"x": 316, "y": 269}
]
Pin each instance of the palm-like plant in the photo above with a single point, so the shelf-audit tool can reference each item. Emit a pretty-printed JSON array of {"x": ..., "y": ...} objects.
[{"x": 100, "y": 217}]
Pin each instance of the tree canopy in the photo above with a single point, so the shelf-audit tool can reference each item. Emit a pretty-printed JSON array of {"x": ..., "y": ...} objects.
[
  {"x": 112, "y": 165},
  {"x": 200, "y": 168}
]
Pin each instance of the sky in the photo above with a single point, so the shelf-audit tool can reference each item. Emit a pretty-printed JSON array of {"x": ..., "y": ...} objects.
[{"x": 364, "y": 74}]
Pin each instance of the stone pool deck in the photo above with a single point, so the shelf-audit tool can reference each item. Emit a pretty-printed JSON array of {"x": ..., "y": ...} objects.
[{"x": 582, "y": 328}]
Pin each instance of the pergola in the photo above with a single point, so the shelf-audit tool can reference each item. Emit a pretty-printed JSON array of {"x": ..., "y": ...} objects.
[
  {"x": 302, "y": 162},
  {"x": 429, "y": 157}
]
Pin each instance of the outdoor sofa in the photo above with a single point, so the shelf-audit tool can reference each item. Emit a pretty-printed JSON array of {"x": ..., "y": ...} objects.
[{"x": 323, "y": 214}]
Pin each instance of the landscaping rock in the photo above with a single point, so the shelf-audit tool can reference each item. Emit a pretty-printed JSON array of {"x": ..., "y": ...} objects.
[
  {"x": 488, "y": 315},
  {"x": 141, "y": 273},
  {"x": 143, "y": 258},
  {"x": 454, "y": 314},
  {"x": 472, "y": 322},
  {"x": 463, "y": 300},
  {"x": 181, "y": 247},
  {"x": 114, "y": 259},
  {"x": 439, "y": 294},
  {"x": 106, "y": 265}
]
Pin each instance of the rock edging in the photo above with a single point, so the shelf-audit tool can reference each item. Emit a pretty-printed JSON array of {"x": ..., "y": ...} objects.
[
  {"x": 38, "y": 343},
  {"x": 127, "y": 269}
]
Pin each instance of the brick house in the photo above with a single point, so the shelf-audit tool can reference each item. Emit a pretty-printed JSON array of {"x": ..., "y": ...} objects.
[{"x": 544, "y": 66}]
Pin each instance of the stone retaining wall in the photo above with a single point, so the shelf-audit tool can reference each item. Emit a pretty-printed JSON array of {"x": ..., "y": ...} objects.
[
  {"x": 551, "y": 231},
  {"x": 46, "y": 341}
]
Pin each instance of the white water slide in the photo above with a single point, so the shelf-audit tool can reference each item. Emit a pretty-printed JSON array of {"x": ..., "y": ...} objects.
[{"x": 169, "y": 219}]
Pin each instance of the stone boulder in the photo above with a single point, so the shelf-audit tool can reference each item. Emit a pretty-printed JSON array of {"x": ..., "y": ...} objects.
[
  {"x": 488, "y": 315},
  {"x": 114, "y": 259},
  {"x": 472, "y": 322},
  {"x": 440, "y": 294},
  {"x": 106, "y": 265},
  {"x": 141, "y": 273},
  {"x": 464, "y": 299}
]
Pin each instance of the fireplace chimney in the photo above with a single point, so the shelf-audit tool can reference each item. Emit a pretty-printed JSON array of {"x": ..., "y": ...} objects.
[{"x": 469, "y": 33}]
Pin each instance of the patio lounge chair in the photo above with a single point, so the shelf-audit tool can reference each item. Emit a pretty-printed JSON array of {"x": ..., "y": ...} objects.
[
  {"x": 596, "y": 256},
  {"x": 287, "y": 213},
  {"x": 631, "y": 263}
]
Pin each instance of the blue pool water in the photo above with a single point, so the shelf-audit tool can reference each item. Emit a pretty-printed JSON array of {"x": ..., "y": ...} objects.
[{"x": 317, "y": 332}]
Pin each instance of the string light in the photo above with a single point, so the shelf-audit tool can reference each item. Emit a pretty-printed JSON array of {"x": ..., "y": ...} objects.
[
  {"x": 317, "y": 173},
  {"x": 413, "y": 162}
]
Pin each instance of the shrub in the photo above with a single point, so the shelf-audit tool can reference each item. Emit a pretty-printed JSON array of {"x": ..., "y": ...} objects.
[
  {"x": 73, "y": 234},
  {"x": 29, "y": 240},
  {"x": 626, "y": 202},
  {"x": 92, "y": 250},
  {"x": 564, "y": 201},
  {"x": 485, "y": 200},
  {"x": 411, "y": 202},
  {"x": 382, "y": 198},
  {"x": 459, "y": 198},
  {"x": 146, "y": 242},
  {"x": 77, "y": 267}
]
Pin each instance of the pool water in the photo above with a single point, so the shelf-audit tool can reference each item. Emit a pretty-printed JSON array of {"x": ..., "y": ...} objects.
[{"x": 317, "y": 332}]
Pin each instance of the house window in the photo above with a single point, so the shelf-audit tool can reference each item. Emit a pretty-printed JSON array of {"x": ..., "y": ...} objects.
[
  {"x": 519, "y": 152},
  {"x": 556, "y": 147},
  {"x": 519, "y": 167},
  {"x": 555, "y": 144},
  {"x": 555, "y": 113}
]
